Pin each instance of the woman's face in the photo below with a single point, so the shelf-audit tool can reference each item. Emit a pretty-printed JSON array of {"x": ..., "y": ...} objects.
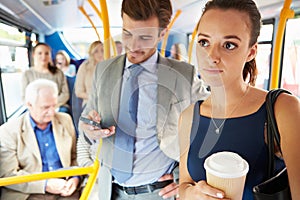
[
  {"x": 173, "y": 50},
  {"x": 98, "y": 53},
  {"x": 60, "y": 61},
  {"x": 223, "y": 46},
  {"x": 41, "y": 55}
]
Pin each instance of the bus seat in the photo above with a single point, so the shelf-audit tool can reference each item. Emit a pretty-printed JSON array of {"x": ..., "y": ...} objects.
[
  {"x": 77, "y": 63},
  {"x": 74, "y": 102}
]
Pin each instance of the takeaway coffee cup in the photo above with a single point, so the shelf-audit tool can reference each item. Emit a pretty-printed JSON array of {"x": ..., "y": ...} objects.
[{"x": 227, "y": 171}]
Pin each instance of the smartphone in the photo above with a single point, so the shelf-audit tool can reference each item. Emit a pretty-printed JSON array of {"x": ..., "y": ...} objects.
[{"x": 90, "y": 122}]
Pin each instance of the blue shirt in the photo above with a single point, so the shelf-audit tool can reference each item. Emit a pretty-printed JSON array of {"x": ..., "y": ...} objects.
[
  {"x": 150, "y": 163},
  {"x": 50, "y": 158}
]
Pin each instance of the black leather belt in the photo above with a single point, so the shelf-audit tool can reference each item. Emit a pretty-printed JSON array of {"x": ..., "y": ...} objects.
[{"x": 143, "y": 188}]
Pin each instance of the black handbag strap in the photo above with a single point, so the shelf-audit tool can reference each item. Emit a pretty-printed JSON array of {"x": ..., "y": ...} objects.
[{"x": 272, "y": 129}]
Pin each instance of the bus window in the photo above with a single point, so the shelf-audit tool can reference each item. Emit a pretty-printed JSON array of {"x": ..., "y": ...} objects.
[
  {"x": 13, "y": 61},
  {"x": 263, "y": 58},
  {"x": 290, "y": 77},
  {"x": 81, "y": 44}
]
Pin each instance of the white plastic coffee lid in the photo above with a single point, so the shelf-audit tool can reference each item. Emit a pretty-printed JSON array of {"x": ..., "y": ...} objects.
[{"x": 226, "y": 165}]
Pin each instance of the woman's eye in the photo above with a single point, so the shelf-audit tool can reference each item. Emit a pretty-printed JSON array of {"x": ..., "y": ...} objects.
[
  {"x": 229, "y": 46},
  {"x": 203, "y": 43}
]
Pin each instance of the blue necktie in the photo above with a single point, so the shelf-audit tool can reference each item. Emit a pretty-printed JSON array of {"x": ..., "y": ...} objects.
[{"x": 125, "y": 132}]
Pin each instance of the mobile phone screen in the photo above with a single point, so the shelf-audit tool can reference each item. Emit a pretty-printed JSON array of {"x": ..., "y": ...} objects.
[{"x": 89, "y": 121}]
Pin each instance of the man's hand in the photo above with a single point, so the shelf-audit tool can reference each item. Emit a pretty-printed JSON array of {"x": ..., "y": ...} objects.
[
  {"x": 70, "y": 187},
  {"x": 171, "y": 189},
  {"x": 55, "y": 185},
  {"x": 93, "y": 132}
]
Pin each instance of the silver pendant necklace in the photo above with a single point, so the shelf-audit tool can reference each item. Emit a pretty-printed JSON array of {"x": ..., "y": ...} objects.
[{"x": 217, "y": 128}]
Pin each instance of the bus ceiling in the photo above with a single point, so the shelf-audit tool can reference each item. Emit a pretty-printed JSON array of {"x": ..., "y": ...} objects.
[{"x": 49, "y": 16}]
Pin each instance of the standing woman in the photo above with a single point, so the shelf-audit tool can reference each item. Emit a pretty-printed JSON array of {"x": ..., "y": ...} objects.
[
  {"x": 86, "y": 151},
  {"x": 178, "y": 51},
  {"x": 233, "y": 117},
  {"x": 86, "y": 71},
  {"x": 44, "y": 68}
]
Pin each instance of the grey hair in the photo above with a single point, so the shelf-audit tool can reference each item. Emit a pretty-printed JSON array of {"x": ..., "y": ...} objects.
[{"x": 33, "y": 88}]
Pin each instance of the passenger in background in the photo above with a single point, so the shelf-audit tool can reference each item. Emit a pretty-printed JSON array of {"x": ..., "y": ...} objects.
[
  {"x": 178, "y": 51},
  {"x": 44, "y": 68},
  {"x": 40, "y": 140},
  {"x": 119, "y": 47},
  {"x": 234, "y": 117},
  {"x": 83, "y": 85},
  {"x": 62, "y": 61},
  {"x": 86, "y": 71}
]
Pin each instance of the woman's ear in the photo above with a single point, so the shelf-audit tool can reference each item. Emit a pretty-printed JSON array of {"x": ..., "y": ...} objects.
[{"x": 252, "y": 53}]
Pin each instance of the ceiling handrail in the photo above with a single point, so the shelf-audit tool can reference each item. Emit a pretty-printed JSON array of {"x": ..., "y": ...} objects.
[
  {"x": 95, "y": 9},
  {"x": 164, "y": 43},
  {"x": 89, "y": 19},
  {"x": 191, "y": 44}
]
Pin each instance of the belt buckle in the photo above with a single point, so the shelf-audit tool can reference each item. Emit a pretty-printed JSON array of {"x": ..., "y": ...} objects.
[
  {"x": 129, "y": 190},
  {"x": 125, "y": 191},
  {"x": 150, "y": 188}
]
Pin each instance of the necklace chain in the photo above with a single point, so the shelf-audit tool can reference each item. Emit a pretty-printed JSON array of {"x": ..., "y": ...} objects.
[{"x": 217, "y": 130}]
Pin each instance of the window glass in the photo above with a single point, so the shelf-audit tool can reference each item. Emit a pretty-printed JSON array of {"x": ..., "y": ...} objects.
[
  {"x": 13, "y": 61},
  {"x": 263, "y": 57},
  {"x": 11, "y": 36},
  {"x": 290, "y": 78},
  {"x": 81, "y": 44}
]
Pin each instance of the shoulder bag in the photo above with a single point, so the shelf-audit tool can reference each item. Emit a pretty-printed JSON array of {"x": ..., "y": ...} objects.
[{"x": 276, "y": 187}]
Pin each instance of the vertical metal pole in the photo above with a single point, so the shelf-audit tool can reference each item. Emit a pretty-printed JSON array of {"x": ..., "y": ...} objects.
[{"x": 285, "y": 14}]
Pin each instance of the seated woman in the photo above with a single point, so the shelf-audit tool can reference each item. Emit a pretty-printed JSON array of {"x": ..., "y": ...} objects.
[
  {"x": 233, "y": 118},
  {"x": 43, "y": 68},
  {"x": 62, "y": 61}
]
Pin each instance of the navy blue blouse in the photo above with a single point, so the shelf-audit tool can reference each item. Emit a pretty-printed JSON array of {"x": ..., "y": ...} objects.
[{"x": 242, "y": 135}]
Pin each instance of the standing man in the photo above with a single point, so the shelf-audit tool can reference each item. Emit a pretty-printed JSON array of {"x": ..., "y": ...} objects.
[
  {"x": 40, "y": 140},
  {"x": 137, "y": 98}
]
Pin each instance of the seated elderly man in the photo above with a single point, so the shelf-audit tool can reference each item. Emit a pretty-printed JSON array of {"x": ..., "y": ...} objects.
[{"x": 40, "y": 140}]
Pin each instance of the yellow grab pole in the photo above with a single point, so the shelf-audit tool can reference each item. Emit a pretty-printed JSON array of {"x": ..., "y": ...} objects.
[
  {"x": 91, "y": 181},
  {"x": 191, "y": 45},
  {"x": 285, "y": 14},
  {"x": 95, "y": 8},
  {"x": 92, "y": 170},
  {"x": 106, "y": 29},
  {"x": 114, "y": 46},
  {"x": 45, "y": 175},
  {"x": 93, "y": 177},
  {"x": 164, "y": 43},
  {"x": 88, "y": 18}
]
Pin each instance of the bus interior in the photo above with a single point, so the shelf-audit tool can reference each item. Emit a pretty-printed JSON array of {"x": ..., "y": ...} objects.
[{"x": 72, "y": 25}]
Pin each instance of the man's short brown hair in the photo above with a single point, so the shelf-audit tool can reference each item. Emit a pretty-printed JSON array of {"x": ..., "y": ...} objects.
[{"x": 145, "y": 9}]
